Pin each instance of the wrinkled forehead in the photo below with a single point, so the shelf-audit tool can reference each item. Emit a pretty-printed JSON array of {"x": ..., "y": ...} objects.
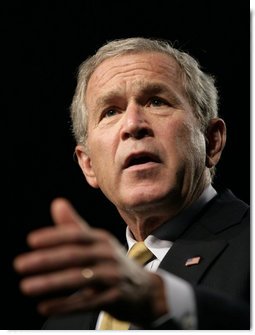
[{"x": 135, "y": 67}]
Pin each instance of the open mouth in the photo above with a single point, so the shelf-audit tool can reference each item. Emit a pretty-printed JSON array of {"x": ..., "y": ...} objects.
[{"x": 139, "y": 159}]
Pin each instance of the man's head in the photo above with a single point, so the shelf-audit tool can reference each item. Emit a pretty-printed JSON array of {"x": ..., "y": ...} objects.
[
  {"x": 199, "y": 86},
  {"x": 145, "y": 121}
]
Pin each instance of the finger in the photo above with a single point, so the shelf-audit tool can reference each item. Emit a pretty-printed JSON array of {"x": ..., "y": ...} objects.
[
  {"x": 52, "y": 259},
  {"x": 63, "y": 213},
  {"x": 87, "y": 299},
  {"x": 58, "y": 281},
  {"x": 56, "y": 235},
  {"x": 63, "y": 305},
  {"x": 64, "y": 256},
  {"x": 53, "y": 236}
]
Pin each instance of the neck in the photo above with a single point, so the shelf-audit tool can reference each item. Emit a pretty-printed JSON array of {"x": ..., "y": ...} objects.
[
  {"x": 142, "y": 227},
  {"x": 144, "y": 220}
]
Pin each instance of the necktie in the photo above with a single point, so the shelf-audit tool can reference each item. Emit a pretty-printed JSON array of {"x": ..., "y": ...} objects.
[{"x": 142, "y": 255}]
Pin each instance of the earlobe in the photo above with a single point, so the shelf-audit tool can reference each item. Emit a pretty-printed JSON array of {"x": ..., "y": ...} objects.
[
  {"x": 85, "y": 163},
  {"x": 215, "y": 141}
]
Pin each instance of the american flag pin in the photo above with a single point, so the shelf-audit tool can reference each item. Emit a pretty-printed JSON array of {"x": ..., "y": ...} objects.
[{"x": 193, "y": 261}]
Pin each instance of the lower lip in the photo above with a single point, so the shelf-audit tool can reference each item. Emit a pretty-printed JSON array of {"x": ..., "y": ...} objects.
[{"x": 145, "y": 166}]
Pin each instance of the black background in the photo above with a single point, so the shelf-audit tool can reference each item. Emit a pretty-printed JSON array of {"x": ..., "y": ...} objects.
[{"x": 43, "y": 43}]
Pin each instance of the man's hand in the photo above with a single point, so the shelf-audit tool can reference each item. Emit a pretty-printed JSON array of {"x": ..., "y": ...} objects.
[{"x": 74, "y": 256}]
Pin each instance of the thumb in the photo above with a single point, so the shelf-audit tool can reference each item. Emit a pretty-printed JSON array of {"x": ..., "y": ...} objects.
[{"x": 63, "y": 213}]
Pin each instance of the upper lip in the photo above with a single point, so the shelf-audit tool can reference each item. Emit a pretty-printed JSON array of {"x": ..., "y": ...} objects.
[{"x": 140, "y": 158}]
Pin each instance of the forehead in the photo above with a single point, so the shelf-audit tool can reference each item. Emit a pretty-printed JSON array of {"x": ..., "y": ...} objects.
[{"x": 135, "y": 67}]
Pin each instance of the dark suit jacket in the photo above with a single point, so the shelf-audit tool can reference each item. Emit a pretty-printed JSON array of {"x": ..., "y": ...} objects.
[{"x": 220, "y": 236}]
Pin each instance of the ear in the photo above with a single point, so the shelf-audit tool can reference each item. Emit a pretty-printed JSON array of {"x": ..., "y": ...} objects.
[
  {"x": 86, "y": 165},
  {"x": 215, "y": 140}
]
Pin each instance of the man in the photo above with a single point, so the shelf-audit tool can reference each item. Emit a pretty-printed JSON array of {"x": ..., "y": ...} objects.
[{"x": 148, "y": 135}]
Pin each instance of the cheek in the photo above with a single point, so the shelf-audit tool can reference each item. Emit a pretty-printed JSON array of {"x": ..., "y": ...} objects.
[
  {"x": 102, "y": 157},
  {"x": 188, "y": 142}
]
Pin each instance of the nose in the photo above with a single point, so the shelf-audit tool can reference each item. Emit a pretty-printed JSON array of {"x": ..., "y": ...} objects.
[{"x": 135, "y": 124}]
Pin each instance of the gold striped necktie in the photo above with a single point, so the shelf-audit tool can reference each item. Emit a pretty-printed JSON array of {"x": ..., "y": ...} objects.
[{"x": 141, "y": 254}]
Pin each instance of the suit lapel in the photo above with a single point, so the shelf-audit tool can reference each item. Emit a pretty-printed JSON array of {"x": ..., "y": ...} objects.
[
  {"x": 93, "y": 320},
  {"x": 203, "y": 238},
  {"x": 181, "y": 251}
]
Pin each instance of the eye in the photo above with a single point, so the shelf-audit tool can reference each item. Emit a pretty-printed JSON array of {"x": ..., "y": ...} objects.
[
  {"x": 109, "y": 113},
  {"x": 156, "y": 101}
]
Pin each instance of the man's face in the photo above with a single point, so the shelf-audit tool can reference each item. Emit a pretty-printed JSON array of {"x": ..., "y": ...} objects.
[{"x": 144, "y": 142}]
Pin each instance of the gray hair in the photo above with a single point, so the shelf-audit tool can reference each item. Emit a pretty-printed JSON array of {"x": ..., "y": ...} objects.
[{"x": 199, "y": 86}]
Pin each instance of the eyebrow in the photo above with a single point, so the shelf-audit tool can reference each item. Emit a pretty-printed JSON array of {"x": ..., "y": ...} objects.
[
  {"x": 159, "y": 88},
  {"x": 154, "y": 88},
  {"x": 145, "y": 89},
  {"x": 108, "y": 97}
]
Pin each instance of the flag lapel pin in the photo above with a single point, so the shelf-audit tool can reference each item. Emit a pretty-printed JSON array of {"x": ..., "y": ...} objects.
[{"x": 193, "y": 261}]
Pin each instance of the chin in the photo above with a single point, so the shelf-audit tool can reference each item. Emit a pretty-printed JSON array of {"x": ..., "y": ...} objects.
[{"x": 145, "y": 201}]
